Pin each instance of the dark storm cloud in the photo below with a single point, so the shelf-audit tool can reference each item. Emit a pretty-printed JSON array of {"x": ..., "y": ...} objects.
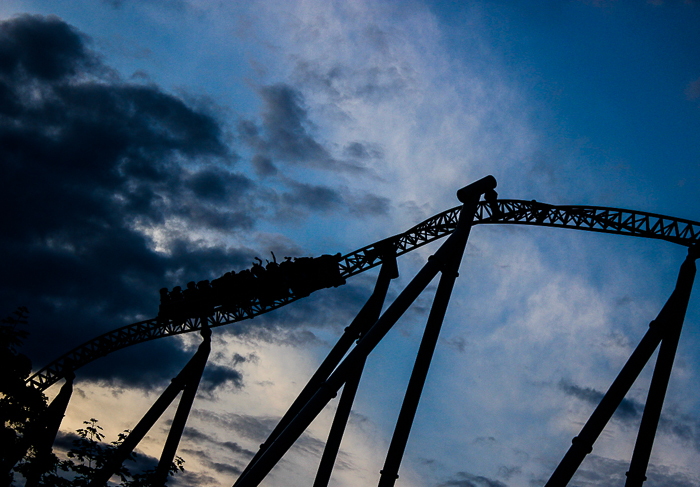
[
  {"x": 239, "y": 359},
  {"x": 91, "y": 164},
  {"x": 234, "y": 447},
  {"x": 217, "y": 185},
  {"x": 64, "y": 441},
  {"x": 43, "y": 48},
  {"x": 88, "y": 162},
  {"x": 281, "y": 335},
  {"x": 224, "y": 468},
  {"x": 216, "y": 376}
]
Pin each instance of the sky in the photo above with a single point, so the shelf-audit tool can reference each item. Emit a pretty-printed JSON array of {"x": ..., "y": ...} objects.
[{"x": 147, "y": 144}]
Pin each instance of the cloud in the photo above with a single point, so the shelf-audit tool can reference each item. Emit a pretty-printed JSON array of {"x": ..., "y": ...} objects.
[
  {"x": 465, "y": 479},
  {"x": 299, "y": 200},
  {"x": 42, "y": 48},
  {"x": 139, "y": 463},
  {"x": 263, "y": 165},
  {"x": 199, "y": 437},
  {"x": 120, "y": 188},
  {"x": 368, "y": 89},
  {"x": 206, "y": 460},
  {"x": 373, "y": 83},
  {"x": 216, "y": 376},
  {"x": 598, "y": 471},
  {"x": 313, "y": 197},
  {"x": 458, "y": 344},
  {"x": 628, "y": 410},
  {"x": 285, "y": 121},
  {"x": 188, "y": 478},
  {"x": 692, "y": 91},
  {"x": 285, "y": 134},
  {"x": 99, "y": 169},
  {"x": 249, "y": 426},
  {"x": 682, "y": 427},
  {"x": 257, "y": 429},
  {"x": 363, "y": 151}
]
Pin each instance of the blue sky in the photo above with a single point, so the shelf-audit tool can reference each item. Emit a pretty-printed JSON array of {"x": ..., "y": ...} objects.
[{"x": 185, "y": 137}]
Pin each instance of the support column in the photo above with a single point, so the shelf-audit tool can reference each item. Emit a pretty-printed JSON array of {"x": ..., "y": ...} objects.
[
  {"x": 449, "y": 266},
  {"x": 662, "y": 373},
  {"x": 364, "y": 319},
  {"x": 582, "y": 444},
  {"x": 274, "y": 452},
  {"x": 183, "y": 411},
  {"x": 124, "y": 450},
  {"x": 330, "y": 452},
  {"x": 57, "y": 410},
  {"x": 46, "y": 432}
]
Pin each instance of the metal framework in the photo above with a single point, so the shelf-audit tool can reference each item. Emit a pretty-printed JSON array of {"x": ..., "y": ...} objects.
[
  {"x": 518, "y": 212},
  {"x": 344, "y": 365}
]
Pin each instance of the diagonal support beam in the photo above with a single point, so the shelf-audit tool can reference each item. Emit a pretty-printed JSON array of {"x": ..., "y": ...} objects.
[
  {"x": 46, "y": 432},
  {"x": 330, "y": 452},
  {"x": 659, "y": 328},
  {"x": 364, "y": 319},
  {"x": 124, "y": 450},
  {"x": 376, "y": 333},
  {"x": 449, "y": 267},
  {"x": 183, "y": 411},
  {"x": 662, "y": 374}
]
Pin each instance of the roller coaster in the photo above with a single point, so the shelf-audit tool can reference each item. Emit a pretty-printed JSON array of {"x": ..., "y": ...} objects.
[{"x": 237, "y": 297}]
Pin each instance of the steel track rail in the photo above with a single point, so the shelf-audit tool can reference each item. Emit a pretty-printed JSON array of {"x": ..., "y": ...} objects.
[{"x": 588, "y": 218}]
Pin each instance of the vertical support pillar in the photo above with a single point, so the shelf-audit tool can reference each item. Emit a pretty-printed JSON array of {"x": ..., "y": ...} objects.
[
  {"x": 449, "y": 268},
  {"x": 330, "y": 452},
  {"x": 582, "y": 444},
  {"x": 183, "y": 410},
  {"x": 662, "y": 373}
]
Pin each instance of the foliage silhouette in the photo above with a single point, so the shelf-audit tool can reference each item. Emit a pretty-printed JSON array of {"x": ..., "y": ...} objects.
[
  {"x": 21, "y": 409},
  {"x": 20, "y": 404}
]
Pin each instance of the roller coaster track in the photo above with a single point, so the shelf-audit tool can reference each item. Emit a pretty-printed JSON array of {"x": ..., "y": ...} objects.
[{"x": 519, "y": 212}]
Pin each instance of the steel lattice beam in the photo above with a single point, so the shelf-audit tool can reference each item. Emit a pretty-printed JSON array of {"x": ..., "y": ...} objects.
[{"x": 520, "y": 212}]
